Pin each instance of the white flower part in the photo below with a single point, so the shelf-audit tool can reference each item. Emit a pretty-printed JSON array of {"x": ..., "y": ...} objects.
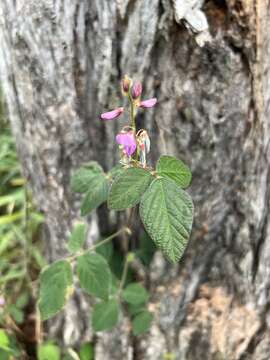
[
  {"x": 143, "y": 158},
  {"x": 147, "y": 144},
  {"x": 144, "y": 138}
]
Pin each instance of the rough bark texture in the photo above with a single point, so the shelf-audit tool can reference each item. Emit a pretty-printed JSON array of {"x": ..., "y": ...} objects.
[{"x": 60, "y": 64}]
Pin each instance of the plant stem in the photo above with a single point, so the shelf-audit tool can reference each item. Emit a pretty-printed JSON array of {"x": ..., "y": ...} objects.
[
  {"x": 38, "y": 327},
  {"x": 133, "y": 123},
  {"x": 95, "y": 246},
  {"x": 124, "y": 276},
  {"x": 132, "y": 114},
  {"x": 109, "y": 238}
]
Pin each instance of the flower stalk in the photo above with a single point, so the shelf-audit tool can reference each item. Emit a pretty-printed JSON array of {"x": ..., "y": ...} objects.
[{"x": 134, "y": 146}]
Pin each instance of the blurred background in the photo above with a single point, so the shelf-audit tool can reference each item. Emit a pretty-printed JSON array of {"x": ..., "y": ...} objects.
[{"x": 208, "y": 64}]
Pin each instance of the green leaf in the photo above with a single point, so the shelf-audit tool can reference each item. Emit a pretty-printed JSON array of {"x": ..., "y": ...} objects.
[
  {"x": 4, "y": 355},
  {"x": 146, "y": 250},
  {"x": 136, "y": 309},
  {"x": 48, "y": 351},
  {"x": 82, "y": 178},
  {"x": 96, "y": 195},
  {"x": 77, "y": 237},
  {"x": 8, "y": 346},
  {"x": 22, "y": 300},
  {"x": 87, "y": 352},
  {"x": 167, "y": 214},
  {"x": 128, "y": 187},
  {"x": 116, "y": 171},
  {"x": 4, "y": 341},
  {"x": 115, "y": 285},
  {"x": 105, "y": 315},
  {"x": 142, "y": 322},
  {"x": 14, "y": 349},
  {"x": 94, "y": 274},
  {"x": 16, "y": 313},
  {"x": 135, "y": 294},
  {"x": 55, "y": 288},
  {"x": 106, "y": 250},
  {"x": 117, "y": 266},
  {"x": 174, "y": 169}
]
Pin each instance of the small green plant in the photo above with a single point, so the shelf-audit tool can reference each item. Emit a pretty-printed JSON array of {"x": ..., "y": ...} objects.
[{"x": 165, "y": 209}]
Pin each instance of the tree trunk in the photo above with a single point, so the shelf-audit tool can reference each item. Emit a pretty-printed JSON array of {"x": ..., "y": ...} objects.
[{"x": 60, "y": 65}]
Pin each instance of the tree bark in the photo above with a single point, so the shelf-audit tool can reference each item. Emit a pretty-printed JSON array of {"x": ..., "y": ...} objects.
[{"x": 60, "y": 65}]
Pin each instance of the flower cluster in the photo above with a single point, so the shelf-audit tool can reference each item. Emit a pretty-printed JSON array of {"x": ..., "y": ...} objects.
[{"x": 134, "y": 145}]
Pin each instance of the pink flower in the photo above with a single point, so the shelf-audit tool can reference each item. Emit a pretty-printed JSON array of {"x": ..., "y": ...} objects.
[
  {"x": 136, "y": 90},
  {"x": 112, "y": 114},
  {"x": 128, "y": 141},
  {"x": 148, "y": 103}
]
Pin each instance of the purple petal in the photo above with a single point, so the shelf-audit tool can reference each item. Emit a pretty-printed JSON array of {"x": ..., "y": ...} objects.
[
  {"x": 112, "y": 114},
  {"x": 128, "y": 141},
  {"x": 130, "y": 149},
  {"x": 148, "y": 103}
]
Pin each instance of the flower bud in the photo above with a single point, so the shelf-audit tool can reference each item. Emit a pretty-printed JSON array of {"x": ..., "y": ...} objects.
[
  {"x": 148, "y": 103},
  {"x": 126, "y": 83},
  {"x": 110, "y": 115},
  {"x": 136, "y": 90}
]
